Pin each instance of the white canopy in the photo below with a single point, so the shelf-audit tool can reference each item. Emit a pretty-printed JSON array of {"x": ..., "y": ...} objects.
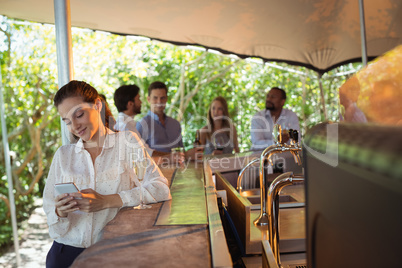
[{"x": 319, "y": 34}]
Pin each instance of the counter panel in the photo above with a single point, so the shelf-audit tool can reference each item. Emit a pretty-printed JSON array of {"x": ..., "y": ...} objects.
[{"x": 132, "y": 239}]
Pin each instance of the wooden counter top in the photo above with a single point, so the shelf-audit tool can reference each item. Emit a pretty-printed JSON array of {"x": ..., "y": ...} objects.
[{"x": 132, "y": 239}]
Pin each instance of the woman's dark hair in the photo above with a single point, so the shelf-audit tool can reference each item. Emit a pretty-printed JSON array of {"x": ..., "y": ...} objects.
[
  {"x": 111, "y": 122},
  {"x": 84, "y": 90},
  {"x": 225, "y": 120}
]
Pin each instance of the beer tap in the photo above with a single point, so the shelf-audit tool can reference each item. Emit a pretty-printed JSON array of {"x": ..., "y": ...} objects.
[
  {"x": 266, "y": 157},
  {"x": 273, "y": 206}
]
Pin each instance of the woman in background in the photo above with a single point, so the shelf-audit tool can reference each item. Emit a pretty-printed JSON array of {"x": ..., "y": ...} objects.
[
  {"x": 219, "y": 136},
  {"x": 107, "y": 111},
  {"x": 101, "y": 165}
]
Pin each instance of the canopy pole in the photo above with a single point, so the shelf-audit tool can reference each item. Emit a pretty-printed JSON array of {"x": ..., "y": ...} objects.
[
  {"x": 65, "y": 69},
  {"x": 324, "y": 109},
  {"x": 363, "y": 33},
  {"x": 304, "y": 94},
  {"x": 9, "y": 175}
]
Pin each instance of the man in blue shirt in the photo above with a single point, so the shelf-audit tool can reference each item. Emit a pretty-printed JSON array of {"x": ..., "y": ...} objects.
[{"x": 159, "y": 131}]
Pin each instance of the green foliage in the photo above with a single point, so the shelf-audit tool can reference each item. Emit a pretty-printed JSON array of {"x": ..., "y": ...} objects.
[
  {"x": 28, "y": 70},
  {"x": 29, "y": 77}
]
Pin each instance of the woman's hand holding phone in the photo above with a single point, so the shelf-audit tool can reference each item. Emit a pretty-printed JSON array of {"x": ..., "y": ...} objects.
[
  {"x": 87, "y": 200},
  {"x": 65, "y": 202}
]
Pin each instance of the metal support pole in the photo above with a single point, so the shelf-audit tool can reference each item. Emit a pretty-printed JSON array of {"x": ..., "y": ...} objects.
[
  {"x": 64, "y": 49},
  {"x": 324, "y": 109},
  {"x": 9, "y": 175},
  {"x": 363, "y": 33}
]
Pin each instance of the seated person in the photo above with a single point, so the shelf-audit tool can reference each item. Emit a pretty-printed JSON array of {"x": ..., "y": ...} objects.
[
  {"x": 263, "y": 122},
  {"x": 106, "y": 110},
  {"x": 159, "y": 131},
  {"x": 219, "y": 136},
  {"x": 128, "y": 104},
  {"x": 101, "y": 165}
]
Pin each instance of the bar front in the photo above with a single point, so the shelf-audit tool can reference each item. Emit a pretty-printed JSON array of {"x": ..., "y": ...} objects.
[{"x": 183, "y": 232}]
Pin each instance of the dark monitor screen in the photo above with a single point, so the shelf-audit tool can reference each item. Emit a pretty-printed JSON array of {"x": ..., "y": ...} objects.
[{"x": 353, "y": 196}]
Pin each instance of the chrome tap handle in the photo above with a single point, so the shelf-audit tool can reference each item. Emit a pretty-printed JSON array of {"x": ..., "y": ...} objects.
[
  {"x": 240, "y": 177},
  {"x": 273, "y": 209}
]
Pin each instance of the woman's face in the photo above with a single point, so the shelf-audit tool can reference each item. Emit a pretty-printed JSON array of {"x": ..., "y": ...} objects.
[
  {"x": 216, "y": 110},
  {"x": 82, "y": 118}
]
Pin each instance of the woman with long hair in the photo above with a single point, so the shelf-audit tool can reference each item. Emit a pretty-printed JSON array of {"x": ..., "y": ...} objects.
[
  {"x": 220, "y": 135},
  {"x": 100, "y": 164},
  {"x": 111, "y": 122}
]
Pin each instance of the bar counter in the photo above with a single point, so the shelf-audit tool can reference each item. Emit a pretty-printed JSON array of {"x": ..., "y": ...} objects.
[{"x": 175, "y": 233}]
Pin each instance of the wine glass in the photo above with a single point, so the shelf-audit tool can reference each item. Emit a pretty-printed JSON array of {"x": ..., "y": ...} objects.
[
  {"x": 218, "y": 142},
  {"x": 178, "y": 156},
  {"x": 140, "y": 163}
]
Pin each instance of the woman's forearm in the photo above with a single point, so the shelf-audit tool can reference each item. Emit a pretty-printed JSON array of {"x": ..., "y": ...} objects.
[{"x": 113, "y": 201}]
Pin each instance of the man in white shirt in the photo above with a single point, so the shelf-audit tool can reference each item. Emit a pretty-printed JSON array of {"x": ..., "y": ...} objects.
[
  {"x": 128, "y": 104},
  {"x": 262, "y": 122}
]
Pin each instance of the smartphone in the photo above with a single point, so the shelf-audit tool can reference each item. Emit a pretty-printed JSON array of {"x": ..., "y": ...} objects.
[{"x": 66, "y": 188}]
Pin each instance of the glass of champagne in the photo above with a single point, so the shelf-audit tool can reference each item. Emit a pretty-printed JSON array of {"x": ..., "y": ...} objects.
[
  {"x": 178, "y": 156},
  {"x": 140, "y": 163},
  {"x": 277, "y": 134}
]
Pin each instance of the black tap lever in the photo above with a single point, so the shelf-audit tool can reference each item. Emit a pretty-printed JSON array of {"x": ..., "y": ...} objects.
[
  {"x": 295, "y": 136},
  {"x": 291, "y": 134}
]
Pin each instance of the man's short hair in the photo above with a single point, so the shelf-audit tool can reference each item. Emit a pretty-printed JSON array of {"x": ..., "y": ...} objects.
[
  {"x": 282, "y": 91},
  {"x": 123, "y": 95},
  {"x": 156, "y": 85}
]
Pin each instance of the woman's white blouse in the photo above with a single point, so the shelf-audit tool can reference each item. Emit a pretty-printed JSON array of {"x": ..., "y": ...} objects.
[{"x": 112, "y": 173}]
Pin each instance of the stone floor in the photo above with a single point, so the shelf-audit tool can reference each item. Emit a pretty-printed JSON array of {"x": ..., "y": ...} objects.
[{"x": 34, "y": 244}]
